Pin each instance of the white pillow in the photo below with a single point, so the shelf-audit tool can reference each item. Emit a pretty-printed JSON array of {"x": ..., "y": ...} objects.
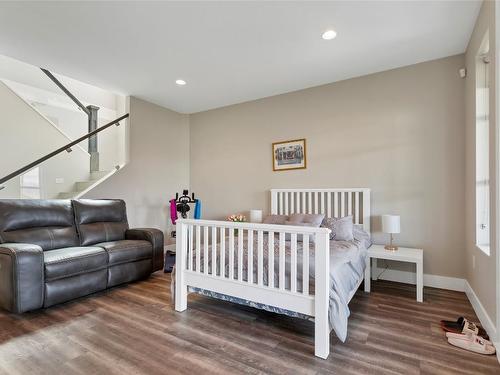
[{"x": 342, "y": 228}]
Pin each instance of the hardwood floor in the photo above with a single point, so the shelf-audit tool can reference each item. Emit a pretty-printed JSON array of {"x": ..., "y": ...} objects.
[{"x": 135, "y": 330}]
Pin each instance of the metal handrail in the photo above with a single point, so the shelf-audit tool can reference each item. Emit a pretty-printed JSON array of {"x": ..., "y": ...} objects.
[
  {"x": 66, "y": 91},
  {"x": 61, "y": 149}
]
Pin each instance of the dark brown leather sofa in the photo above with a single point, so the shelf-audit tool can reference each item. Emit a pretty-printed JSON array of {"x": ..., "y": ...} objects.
[{"x": 52, "y": 251}]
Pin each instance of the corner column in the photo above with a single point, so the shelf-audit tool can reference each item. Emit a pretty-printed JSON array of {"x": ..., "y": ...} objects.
[{"x": 94, "y": 154}]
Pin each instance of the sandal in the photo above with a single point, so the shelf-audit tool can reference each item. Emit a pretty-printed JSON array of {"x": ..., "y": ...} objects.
[
  {"x": 463, "y": 326},
  {"x": 461, "y": 336},
  {"x": 472, "y": 343}
]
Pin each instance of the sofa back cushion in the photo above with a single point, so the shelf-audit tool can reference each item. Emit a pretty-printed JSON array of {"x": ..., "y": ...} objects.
[
  {"x": 46, "y": 223},
  {"x": 100, "y": 220}
]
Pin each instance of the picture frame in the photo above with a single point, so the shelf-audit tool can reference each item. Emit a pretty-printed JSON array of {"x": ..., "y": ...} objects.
[{"x": 289, "y": 155}]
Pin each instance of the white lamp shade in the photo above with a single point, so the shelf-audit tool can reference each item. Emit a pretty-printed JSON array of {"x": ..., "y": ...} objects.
[
  {"x": 256, "y": 216},
  {"x": 391, "y": 224}
]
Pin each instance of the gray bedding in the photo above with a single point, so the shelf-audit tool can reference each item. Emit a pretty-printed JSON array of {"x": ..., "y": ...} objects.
[{"x": 347, "y": 263}]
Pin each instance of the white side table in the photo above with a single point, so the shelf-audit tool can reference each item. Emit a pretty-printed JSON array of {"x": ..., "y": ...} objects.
[{"x": 403, "y": 254}]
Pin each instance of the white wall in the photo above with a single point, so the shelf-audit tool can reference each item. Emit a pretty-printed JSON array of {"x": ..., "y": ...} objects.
[
  {"x": 158, "y": 167},
  {"x": 25, "y": 136}
]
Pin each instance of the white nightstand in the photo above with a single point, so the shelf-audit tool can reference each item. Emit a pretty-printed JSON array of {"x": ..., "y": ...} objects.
[{"x": 403, "y": 254}]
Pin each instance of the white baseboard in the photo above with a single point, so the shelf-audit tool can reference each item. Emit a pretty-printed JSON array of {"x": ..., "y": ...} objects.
[
  {"x": 481, "y": 313},
  {"x": 450, "y": 283},
  {"x": 443, "y": 282},
  {"x": 434, "y": 281},
  {"x": 497, "y": 345}
]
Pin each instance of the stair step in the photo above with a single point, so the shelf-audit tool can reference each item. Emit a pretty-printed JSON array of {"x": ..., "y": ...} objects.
[
  {"x": 98, "y": 175},
  {"x": 68, "y": 195},
  {"x": 83, "y": 185}
]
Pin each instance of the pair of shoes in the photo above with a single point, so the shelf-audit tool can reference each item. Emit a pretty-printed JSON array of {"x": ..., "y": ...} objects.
[
  {"x": 471, "y": 342},
  {"x": 463, "y": 326}
]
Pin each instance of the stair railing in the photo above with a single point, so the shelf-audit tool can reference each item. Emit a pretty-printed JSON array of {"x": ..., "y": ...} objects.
[
  {"x": 91, "y": 112},
  {"x": 66, "y": 148}
]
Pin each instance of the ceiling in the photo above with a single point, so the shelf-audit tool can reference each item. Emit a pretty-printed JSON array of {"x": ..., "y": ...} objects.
[{"x": 228, "y": 52}]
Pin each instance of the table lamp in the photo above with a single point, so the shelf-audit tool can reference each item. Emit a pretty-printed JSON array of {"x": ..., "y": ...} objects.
[
  {"x": 391, "y": 225},
  {"x": 256, "y": 216}
]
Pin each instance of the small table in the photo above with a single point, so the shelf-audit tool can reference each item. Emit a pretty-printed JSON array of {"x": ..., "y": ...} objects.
[{"x": 403, "y": 254}]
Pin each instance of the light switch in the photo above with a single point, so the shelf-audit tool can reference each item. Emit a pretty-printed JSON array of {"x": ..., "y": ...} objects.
[{"x": 59, "y": 180}]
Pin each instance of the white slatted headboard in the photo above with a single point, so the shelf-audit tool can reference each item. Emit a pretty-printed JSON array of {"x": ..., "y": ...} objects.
[{"x": 330, "y": 202}]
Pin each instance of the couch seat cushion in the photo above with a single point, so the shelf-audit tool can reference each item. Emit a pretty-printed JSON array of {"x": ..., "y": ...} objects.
[
  {"x": 71, "y": 261},
  {"x": 125, "y": 251}
]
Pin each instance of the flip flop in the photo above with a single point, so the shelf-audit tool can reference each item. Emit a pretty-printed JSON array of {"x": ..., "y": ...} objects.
[
  {"x": 461, "y": 336},
  {"x": 472, "y": 343},
  {"x": 464, "y": 326}
]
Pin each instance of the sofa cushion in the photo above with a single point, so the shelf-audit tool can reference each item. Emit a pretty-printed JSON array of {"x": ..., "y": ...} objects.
[
  {"x": 100, "y": 220},
  {"x": 127, "y": 251},
  {"x": 46, "y": 223},
  {"x": 126, "y": 272},
  {"x": 73, "y": 261},
  {"x": 62, "y": 290}
]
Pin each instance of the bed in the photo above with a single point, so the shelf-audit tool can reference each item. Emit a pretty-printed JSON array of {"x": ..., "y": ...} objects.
[{"x": 292, "y": 270}]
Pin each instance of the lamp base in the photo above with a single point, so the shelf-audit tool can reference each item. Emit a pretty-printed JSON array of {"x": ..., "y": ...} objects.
[{"x": 391, "y": 247}]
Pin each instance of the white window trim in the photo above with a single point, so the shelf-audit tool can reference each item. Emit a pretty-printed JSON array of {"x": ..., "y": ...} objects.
[{"x": 482, "y": 239}]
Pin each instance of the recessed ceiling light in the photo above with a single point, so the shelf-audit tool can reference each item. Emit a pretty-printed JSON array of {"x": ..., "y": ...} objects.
[
  {"x": 329, "y": 35},
  {"x": 180, "y": 82}
]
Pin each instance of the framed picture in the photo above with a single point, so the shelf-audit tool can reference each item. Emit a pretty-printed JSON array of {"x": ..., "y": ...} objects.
[{"x": 289, "y": 155}]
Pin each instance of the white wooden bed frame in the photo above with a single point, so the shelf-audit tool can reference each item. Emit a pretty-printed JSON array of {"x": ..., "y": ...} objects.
[{"x": 191, "y": 234}]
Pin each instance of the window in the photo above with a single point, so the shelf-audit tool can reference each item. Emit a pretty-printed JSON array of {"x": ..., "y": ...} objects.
[
  {"x": 482, "y": 148},
  {"x": 30, "y": 184}
]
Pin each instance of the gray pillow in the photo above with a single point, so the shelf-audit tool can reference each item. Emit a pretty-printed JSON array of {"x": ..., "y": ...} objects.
[
  {"x": 314, "y": 220},
  {"x": 302, "y": 220},
  {"x": 342, "y": 228},
  {"x": 275, "y": 219}
]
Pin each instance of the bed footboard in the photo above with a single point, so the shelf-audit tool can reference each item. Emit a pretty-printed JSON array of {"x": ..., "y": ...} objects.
[{"x": 254, "y": 262}]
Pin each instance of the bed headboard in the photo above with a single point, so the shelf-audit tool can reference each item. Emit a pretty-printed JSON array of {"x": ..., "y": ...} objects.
[{"x": 330, "y": 202}]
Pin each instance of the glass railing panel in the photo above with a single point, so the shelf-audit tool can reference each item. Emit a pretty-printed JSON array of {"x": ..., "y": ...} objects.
[
  {"x": 112, "y": 146},
  {"x": 31, "y": 85},
  {"x": 10, "y": 189},
  {"x": 38, "y": 117},
  {"x": 49, "y": 112},
  {"x": 50, "y": 178},
  {"x": 66, "y": 175}
]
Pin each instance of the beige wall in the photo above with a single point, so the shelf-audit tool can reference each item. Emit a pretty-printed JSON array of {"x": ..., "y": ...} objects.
[
  {"x": 400, "y": 133},
  {"x": 482, "y": 278},
  {"x": 158, "y": 166}
]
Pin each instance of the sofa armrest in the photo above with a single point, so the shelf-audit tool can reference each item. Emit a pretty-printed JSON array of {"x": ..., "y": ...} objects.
[
  {"x": 21, "y": 277},
  {"x": 155, "y": 237}
]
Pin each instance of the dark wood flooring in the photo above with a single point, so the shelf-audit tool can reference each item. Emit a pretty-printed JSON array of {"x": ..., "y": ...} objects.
[{"x": 135, "y": 330}]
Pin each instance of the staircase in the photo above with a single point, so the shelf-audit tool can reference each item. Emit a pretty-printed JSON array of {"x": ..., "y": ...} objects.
[
  {"x": 57, "y": 148},
  {"x": 81, "y": 187}
]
